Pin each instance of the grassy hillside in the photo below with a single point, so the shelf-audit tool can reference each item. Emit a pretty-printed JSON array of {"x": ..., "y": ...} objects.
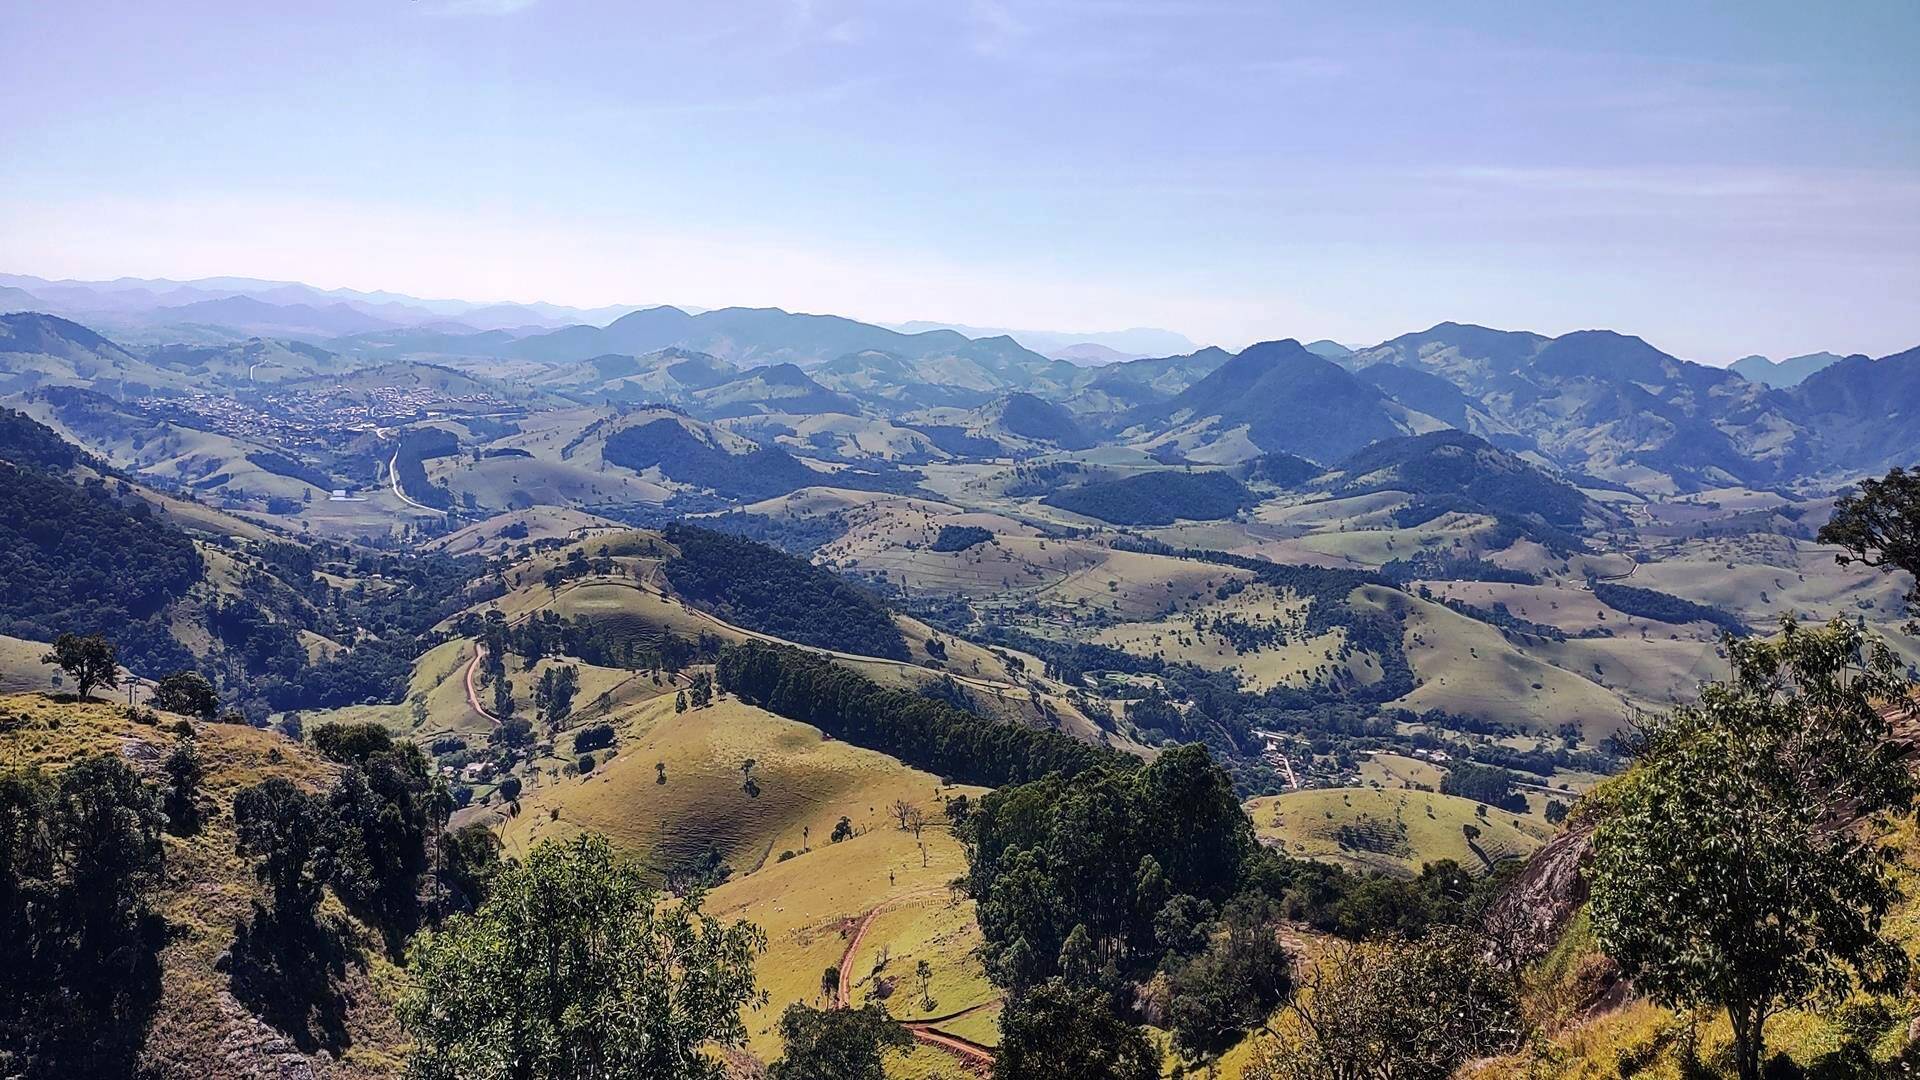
[
  {"x": 197, "y": 1020},
  {"x": 811, "y": 902},
  {"x": 1394, "y": 831}
]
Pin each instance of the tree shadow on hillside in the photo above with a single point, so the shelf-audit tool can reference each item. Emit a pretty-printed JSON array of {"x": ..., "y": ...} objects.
[
  {"x": 289, "y": 975},
  {"x": 72, "y": 1012}
]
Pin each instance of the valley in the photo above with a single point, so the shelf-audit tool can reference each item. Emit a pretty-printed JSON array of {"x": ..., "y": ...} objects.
[{"x": 1414, "y": 602}]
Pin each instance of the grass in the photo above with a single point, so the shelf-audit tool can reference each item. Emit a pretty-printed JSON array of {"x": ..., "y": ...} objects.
[
  {"x": 208, "y": 889},
  {"x": 541, "y": 523},
  {"x": 1390, "y": 830},
  {"x": 1298, "y": 661},
  {"x": 1400, "y": 771},
  {"x": 1468, "y": 667},
  {"x": 809, "y": 903}
]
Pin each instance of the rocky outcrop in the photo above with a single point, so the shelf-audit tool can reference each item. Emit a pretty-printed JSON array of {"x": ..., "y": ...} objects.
[{"x": 1527, "y": 919}]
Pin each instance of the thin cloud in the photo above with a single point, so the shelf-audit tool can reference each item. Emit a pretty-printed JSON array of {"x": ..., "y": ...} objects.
[{"x": 486, "y": 7}]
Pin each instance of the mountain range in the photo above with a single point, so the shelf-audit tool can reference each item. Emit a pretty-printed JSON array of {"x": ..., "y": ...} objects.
[
  {"x": 1782, "y": 373},
  {"x": 1597, "y": 403}
]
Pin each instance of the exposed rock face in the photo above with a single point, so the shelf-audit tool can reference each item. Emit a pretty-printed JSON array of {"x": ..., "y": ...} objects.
[
  {"x": 250, "y": 1048},
  {"x": 1531, "y": 915}
]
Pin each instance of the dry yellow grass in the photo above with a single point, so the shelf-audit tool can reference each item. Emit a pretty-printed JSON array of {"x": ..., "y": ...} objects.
[
  {"x": 1392, "y": 830},
  {"x": 1467, "y": 667},
  {"x": 810, "y": 903}
]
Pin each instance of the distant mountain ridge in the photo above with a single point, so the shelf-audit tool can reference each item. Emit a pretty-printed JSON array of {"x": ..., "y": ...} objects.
[
  {"x": 1781, "y": 374},
  {"x": 1604, "y": 405},
  {"x": 1273, "y": 396},
  {"x": 1614, "y": 406},
  {"x": 1131, "y": 343}
]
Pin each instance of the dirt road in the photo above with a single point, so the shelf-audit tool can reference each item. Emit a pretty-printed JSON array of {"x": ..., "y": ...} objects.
[
  {"x": 974, "y": 1057},
  {"x": 473, "y": 695}
]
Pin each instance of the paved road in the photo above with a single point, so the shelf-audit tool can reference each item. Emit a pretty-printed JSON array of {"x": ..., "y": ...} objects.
[{"x": 393, "y": 476}]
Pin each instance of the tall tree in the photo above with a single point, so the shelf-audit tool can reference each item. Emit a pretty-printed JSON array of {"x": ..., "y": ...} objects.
[
  {"x": 187, "y": 693},
  {"x": 184, "y": 772},
  {"x": 286, "y": 830},
  {"x": 90, "y": 661},
  {"x": 80, "y": 854},
  {"x": 385, "y": 810},
  {"x": 1740, "y": 864},
  {"x": 574, "y": 969},
  {"x": 836, "y": 1044},
  {"x": 1057, "y": 1032},
  {"x": 553, "y": 694},
  {"x": 1393, "y": 1008},
  {"x": 1879, "y": 524}
]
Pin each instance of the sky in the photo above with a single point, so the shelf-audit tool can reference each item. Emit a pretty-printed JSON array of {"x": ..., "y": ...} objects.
[{"x": 1720, "y": 179}]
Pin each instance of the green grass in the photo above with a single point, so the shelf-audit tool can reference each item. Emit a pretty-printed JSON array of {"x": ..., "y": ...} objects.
[{"x": 1393, "y": 831}]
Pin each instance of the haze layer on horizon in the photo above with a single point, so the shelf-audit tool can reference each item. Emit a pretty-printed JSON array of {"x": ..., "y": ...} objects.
[{"x": 1718, "y": 180}]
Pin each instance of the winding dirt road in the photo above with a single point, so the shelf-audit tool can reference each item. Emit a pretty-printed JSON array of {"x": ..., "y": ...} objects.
[
  {"x": 393, "y": 477},
  {"x": 974, "y": 1057},
  {"x": 473, "y": 695}
]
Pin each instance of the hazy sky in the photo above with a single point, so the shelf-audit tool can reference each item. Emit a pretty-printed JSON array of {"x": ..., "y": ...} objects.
[{"x": 1720, "y": 179}]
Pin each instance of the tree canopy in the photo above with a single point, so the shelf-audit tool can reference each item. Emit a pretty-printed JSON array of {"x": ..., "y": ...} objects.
[
  {"x": 1879, "y": 525},
  {"x": 572, "y": 968},
  {"x": 836, "y": 1044},
  {"x": 1740, "y": 864}
]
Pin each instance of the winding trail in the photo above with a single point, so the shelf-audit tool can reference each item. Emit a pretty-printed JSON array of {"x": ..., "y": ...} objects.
[
  {"x": 473, "y": 695},
  {"x": 972, "y": 1056}
]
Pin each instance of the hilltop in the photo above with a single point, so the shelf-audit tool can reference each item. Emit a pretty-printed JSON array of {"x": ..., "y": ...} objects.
[{"x": 195, "y": 1014}]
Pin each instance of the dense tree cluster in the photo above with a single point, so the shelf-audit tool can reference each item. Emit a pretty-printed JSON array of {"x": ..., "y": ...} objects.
[
  {"x": 1096, "y": 883},
  {"x": 1160, "y": 497},
  {"x": 573, "y": 968},
  {"x": 386, "y": 810},
  {"x": 1055, "y": 1031},
  {"x": 1483, "y": 783},
  {"x": 409, "y": 459},
  {"x": 667, "y": 444},
  {"x": 836, "y": 1044},
  {"x": 264, "y": 659},
  {"x": 77, "y": 559},
  {"x": 1281, "y": 470},
  {"x": 959, "y": 537},
  {"x": 612, "y": 640},
  {"x": 927, "y": 734},
  {"x": 32, "y": 445},
  {"x": 1464, "y": 469},
  {"x": 373, "y": 836},
  {"x": 1436, "y": 565},
  {"x": 80, "y": 854},
  {"x": 282, "y": 465},
  {"x": 1100, "y": 855},
  {"x": 775, "y": 593},
  {"x": 795, "y": 535},
  {"x": 1665, "y": 607}
]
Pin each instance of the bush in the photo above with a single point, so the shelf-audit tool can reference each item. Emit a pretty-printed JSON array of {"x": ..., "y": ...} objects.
[
  {"x": 959, "y": 537},
  {"x": 595, "y": 737}
]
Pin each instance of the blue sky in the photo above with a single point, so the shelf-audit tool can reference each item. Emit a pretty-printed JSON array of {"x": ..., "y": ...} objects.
[{"x": 1720, "y": 179}]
